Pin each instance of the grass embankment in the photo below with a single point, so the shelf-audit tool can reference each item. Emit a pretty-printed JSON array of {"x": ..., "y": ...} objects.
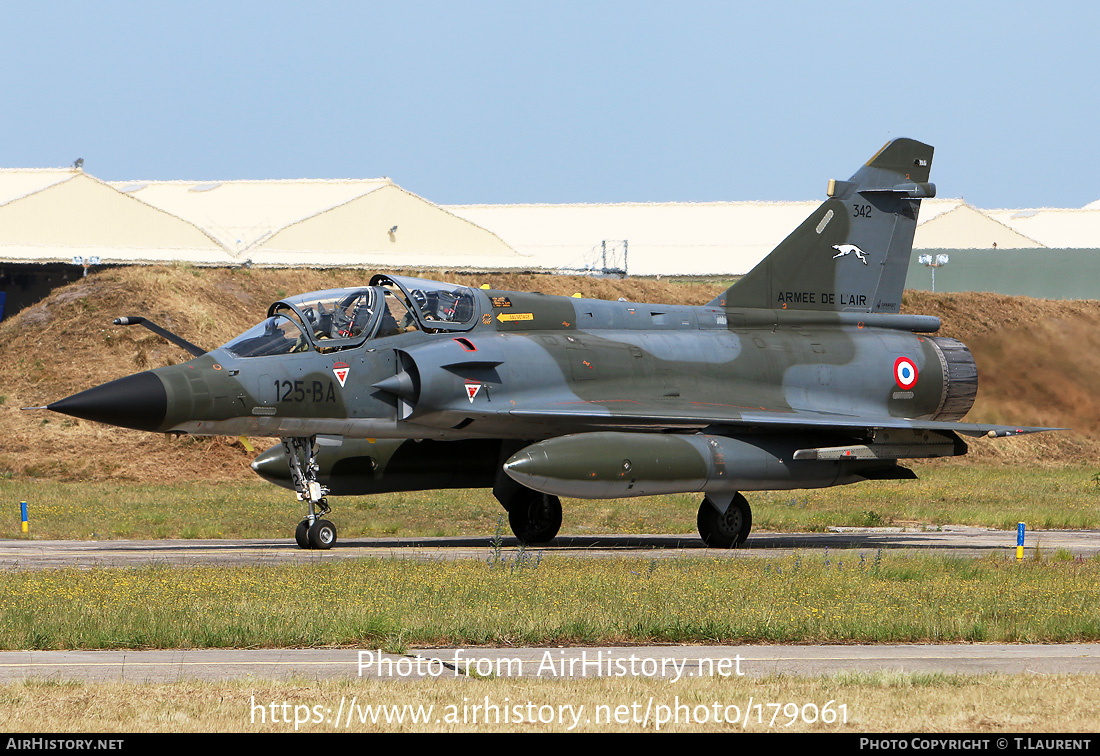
[
  {"x": 533, "y": 599},
  {"x": 947, "y": 493},
  {"x": 875, "y": 702}
]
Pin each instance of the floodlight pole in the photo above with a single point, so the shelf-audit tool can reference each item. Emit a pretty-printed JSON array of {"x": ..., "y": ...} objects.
[
  {"x": 86, "y": 262},
  {"x": 938, "y": 261}
]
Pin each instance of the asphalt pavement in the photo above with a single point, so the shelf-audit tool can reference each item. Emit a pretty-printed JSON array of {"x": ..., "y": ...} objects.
[
  {"x": 669, "y": 662},
  {"x": 955, "y": 540}
]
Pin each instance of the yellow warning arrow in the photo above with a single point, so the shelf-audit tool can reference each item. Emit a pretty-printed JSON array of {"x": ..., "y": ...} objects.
[{"x": 507, "y": 317}]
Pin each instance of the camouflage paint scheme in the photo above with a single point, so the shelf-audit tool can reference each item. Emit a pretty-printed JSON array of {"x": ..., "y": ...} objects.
[{"x": 800, "y": 375}]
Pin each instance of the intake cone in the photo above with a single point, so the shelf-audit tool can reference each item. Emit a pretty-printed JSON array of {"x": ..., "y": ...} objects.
[{"x": 136, "y": 401}]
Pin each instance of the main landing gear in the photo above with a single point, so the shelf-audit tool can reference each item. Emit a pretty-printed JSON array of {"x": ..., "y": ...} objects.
[
  {"x": 724, "y": 530},
  {"x": 534, "y": 517},
  {"x": 312, "y": 532}
]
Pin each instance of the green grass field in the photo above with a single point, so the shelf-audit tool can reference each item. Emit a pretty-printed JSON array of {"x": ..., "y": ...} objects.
[
  {"x": 980, "y": 495},
  {"x": 830, "y": 597},
  {"x": 532, "y": 597},
  {"x": 537, "y": 598}
]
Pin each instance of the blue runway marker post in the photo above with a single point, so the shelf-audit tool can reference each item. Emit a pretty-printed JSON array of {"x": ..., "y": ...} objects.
[
  {"x": 1019, "y": 541},
  {"x": 23, "y": 512}
]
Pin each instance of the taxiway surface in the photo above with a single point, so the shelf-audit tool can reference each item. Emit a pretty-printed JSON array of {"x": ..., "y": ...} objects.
[
  {"x": 546, "y": 663},
  {"x": 955, "y": 540}
]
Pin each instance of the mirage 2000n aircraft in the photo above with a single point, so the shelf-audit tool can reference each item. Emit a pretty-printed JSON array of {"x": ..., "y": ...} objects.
[{"x": 801, "y": 375}]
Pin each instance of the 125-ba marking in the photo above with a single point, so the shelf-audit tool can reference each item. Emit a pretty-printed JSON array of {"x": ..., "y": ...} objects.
[{"x": 317, "y": 392}]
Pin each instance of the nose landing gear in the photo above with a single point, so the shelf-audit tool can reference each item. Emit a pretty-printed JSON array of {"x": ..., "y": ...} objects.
[{"x": 312, "y": 532}]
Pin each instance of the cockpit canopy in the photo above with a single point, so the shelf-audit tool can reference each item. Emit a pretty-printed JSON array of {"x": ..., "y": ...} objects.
[{"x": 335, "y": 319}]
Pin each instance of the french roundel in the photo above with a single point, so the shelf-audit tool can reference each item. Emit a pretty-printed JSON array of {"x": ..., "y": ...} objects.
[{"x": 905, "y": 373}]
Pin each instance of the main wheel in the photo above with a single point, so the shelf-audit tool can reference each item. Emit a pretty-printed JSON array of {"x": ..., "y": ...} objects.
[
  {"x": 301, "y": 534},
  {"x": 535, "y": 517},
  {"x": 725, "y": 531},
  {"x": 321, "y": 535}
]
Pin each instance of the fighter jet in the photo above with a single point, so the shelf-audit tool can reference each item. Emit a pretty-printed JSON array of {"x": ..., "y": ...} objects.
[{"x": 803, "y": 374}]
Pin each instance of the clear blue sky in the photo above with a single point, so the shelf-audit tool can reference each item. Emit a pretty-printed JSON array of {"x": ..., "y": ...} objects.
[{"x": 591, "y": 101}]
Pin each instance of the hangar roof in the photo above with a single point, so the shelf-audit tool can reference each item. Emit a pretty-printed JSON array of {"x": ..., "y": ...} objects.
[
  {"x": 52, "y": 216},
  {"x": 667, "y": 237},
  {"x": 241, "y": 214},
  {"x": 687, "y": 238},
  {"x": 965, "y": 227},
  {"x": 387, "y": 226},
  {"x": 1064, "y": 228},
  {"x": 20, "y": 182},
  {"x": 55, "y": 214}
]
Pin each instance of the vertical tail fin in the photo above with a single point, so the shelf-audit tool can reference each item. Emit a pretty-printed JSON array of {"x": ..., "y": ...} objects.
[{"x": 852, "y": 253}]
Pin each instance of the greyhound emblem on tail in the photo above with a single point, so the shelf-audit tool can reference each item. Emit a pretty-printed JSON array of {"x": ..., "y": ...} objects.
[{"x": 847, "y": 249}]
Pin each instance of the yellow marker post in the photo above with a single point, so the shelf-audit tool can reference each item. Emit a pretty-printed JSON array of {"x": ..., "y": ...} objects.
[
  {"x": 23, "y": 512},
  {"x": 1019, "y": 542}
]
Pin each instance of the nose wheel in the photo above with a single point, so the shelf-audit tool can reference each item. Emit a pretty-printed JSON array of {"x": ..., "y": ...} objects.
[
  {"x": 312, "y": 532},
  {"x": 320, "y": 535}
]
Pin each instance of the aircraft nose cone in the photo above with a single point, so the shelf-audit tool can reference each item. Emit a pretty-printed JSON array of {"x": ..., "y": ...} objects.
[{"x": 136, "y": 401}]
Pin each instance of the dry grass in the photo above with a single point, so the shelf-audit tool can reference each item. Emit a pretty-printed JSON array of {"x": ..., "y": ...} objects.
[
  {"x": 1037, "y": 358},
  {"x": 876, "y": 702},
  {"x": 1038, "y": 361}
]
